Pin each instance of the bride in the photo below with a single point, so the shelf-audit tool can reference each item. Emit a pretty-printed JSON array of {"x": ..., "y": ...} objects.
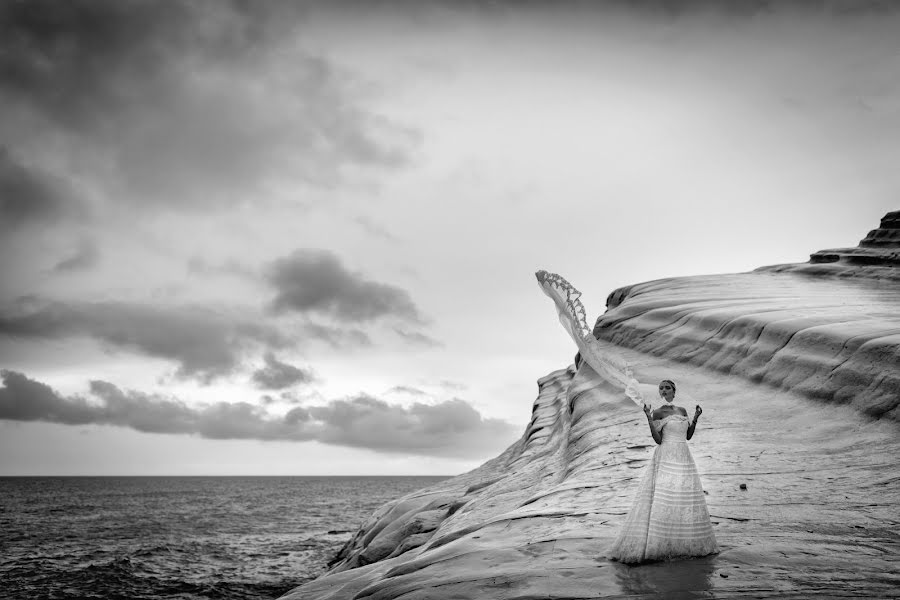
[{"x": 668, "y": 518}]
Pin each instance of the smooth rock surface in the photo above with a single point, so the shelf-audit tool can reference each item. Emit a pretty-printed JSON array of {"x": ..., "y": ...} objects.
[
  {"x": 828, "y": 329},
  {"x": 798, "y": 378},
  {"x": 831, "y": 339}
]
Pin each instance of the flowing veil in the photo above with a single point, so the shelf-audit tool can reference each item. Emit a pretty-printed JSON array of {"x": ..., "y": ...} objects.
[{"x": 573, "y": 317}]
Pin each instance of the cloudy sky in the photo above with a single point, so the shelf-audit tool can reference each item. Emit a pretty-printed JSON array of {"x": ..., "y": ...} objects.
[{"x": 272, "y": 238}]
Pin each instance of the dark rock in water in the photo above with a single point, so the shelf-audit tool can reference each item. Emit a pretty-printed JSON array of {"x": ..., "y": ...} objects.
[{"x": 796, "y": 368}]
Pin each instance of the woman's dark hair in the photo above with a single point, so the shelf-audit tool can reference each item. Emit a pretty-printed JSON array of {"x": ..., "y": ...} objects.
[{"x": 670, "y": 382}]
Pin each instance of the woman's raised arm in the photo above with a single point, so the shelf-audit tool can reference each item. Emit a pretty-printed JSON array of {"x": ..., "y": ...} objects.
[
  {"x": 657, "y": 436},
  {"x": 697, "y": 412}
]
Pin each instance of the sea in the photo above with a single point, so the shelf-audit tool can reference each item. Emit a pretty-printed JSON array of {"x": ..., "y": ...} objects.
[{"x": 181, "y": 538}]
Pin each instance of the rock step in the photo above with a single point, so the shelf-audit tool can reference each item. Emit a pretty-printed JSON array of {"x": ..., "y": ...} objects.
[{"x": 877, "y": 256}]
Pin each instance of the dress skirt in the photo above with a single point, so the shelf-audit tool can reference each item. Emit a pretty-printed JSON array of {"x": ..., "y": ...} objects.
[{"x": 669, "y": 518}]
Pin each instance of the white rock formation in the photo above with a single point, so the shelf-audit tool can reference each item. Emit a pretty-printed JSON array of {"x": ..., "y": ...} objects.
[{"x": 798, "y": 372}]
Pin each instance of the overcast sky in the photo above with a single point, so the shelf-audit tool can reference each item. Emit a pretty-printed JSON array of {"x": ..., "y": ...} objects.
[{"x": 272, "y": 238}]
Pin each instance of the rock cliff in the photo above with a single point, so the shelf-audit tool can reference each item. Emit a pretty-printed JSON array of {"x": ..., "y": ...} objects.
[
  {"x": 828, "y": 329},
  {"x": 880, "y": 248},
  {"x": 798, "y": 371}
]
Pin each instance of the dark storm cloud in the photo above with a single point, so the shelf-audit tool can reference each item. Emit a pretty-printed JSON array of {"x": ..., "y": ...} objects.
[
  {"x": 451, "y": 428},
  {"x": 28, "y": 195},
  {"x": 277, "y": 375},
  {"x": 23, "y": 399},
  {"x": 205, "y": 343},
  {"x": 316, "y": 281},
  {"x": 71, "y": 60},
  {"x": 184, "y": 103}
]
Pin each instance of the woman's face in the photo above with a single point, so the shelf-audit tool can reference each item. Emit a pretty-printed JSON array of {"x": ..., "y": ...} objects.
[{"x": 666, "y": 391}]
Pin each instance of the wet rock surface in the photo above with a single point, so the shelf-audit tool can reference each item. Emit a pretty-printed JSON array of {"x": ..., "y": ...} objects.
[{"x": 798, "y": 378}]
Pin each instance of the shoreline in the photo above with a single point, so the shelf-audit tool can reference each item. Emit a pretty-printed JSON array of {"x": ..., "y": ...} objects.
[{"x": 817, "y": 516}]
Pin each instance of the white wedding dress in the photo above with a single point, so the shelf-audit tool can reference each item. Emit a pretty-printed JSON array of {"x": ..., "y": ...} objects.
[{"x": 668, "y": 518}]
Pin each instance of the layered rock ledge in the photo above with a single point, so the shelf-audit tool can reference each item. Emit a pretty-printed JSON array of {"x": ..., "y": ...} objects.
[
  {"x": 829, "y": 330},
  {"x": 798, "y": 372},
  {"x": 880, "y": 248}
]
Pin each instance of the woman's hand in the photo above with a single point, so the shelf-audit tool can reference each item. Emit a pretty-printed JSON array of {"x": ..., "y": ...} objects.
[
  {"x": 657, "y": 436},
  {"x": 693, "y": 424}
]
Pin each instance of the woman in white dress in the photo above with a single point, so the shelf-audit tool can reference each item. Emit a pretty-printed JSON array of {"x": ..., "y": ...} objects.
[{"x": 669, "y": 518}]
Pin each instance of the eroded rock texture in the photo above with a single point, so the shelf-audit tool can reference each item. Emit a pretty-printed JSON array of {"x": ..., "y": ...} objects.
[
  {"x": 827, "y": 330},
  {"x": 797, "y": 373},
  {"x": 880, "y": 248}
]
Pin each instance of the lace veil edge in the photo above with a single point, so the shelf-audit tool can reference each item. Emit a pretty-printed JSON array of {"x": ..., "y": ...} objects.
[{"x": 573, "y": 317}]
